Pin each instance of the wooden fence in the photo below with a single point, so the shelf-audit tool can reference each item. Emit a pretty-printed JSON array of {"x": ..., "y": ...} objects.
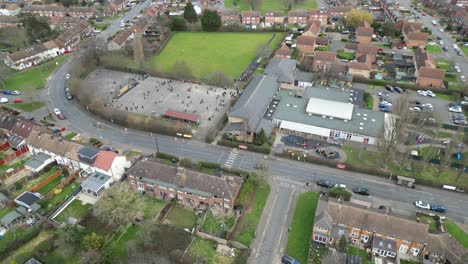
[
  {"x": 4, "y": 146},
  {"x": 221, "y": 241},
  {"x": 46, "y": 181},
  {"x": 11, "y": 173},
  {"x": 14, "y": 155}
]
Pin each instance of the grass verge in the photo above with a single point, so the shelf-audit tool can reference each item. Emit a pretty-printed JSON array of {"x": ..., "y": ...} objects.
[
  {"x": 28, "y": 107},
  {"x": 457, "y": 233}
]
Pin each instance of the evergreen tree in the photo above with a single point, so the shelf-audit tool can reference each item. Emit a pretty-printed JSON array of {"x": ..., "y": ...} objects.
[
  {"x": 343, "y": 244},
  {"x": 211, "y": 21},
  {"x": 189, "y": 13}
]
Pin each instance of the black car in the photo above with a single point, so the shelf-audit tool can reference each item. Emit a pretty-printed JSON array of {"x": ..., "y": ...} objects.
[
  {"x": 389, "y": 88},
  {"x": 398, "y": 89},
  {"x": 445, "y": 49},
  {"x": 439, "y": 38},
  {"x": 324, "y": 183},
  {"x": 361, "y": 191},
  {"x": 288, "y": 260}
]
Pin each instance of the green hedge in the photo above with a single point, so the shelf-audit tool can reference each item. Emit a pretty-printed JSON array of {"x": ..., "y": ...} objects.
[
  {"x": 251, "y": 147},
  {"x": 208, "y": 165},
  {"x": 339, "y": 193},
  {"x": 368, "y": 100},
  {"x": 166, "y": 156}
]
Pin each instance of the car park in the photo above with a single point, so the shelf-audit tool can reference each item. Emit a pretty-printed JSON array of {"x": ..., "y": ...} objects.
[
  {"x": 422, "y": 205},
  {"x": 421, "y": 92},
  {"x": 455, "y": 109},
  {"x": 324, "y": 183},
  {"x": 438, "y": 208},
  {"x": 361, "y": 191}
]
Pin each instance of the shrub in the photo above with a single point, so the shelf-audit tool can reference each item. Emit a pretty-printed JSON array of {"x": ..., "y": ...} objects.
[
  {"x": 339, "y": 193},
  {"x": 208, "y": 165},
  {"x": 166, "y": 156},
  {"x": 246, "y": 190},
  {"x": 186, "y": 162},
  {"x": 234, "y": 144}
]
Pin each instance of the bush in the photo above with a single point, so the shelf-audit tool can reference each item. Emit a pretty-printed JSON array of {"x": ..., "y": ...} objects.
[
  {"x": 246, "y": 191},
  {"x": 339, "y": 193},
  {"x": 208, "y": 165},
  {"x": 9, "y": 243},
  {"x": 368, "y": 100},
  {"x": 234, "y": 144},
  {"x": 186, "y": 162},
  {"x": 166, "y": 156}
]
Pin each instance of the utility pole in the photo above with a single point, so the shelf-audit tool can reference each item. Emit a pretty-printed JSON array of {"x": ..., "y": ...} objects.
[{"x": 157, "y": 146}]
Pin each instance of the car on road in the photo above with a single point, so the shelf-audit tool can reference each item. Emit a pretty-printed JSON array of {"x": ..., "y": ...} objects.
[
  {"x": 288, "y": 260},
  {"x": 383, "y": 94},
  {"x": 3, "y": 100},
  {"x": 421, "y": 92},
  {"x": 422, "y": 205},
  {"x": 361, "y": 191},
  {"x": 6, "y": 92},
  {"x": 389, "y": 88},
  {"x": 341, "y": 186},
  {"x": 16, "y": 93},
  {"x": 259, "y": 166},
  {"x": 438, "y": 208},
  {"x": 324, "y": 183},
  {"x": 441, "y": 29},
  {"x": 455, "y": 109},
  {"x": 69, "y": 96},
  {"x": 59, "y": 114},
  {"x": 67, "y": 76}
]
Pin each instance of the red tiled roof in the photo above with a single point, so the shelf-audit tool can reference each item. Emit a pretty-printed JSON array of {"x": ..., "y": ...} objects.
[
  {"x": 105, "y": 159},
  {"x": 432, "y": 73},
  {"x": 325, "y": 55},
  {"x": 183, "y": 116},
  {"x": 359, "y": 66},
  {"x": 365, "y": 31},
  {"x": 304, "y": 40}
]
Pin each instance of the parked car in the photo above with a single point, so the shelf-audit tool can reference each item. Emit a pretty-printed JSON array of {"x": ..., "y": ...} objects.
[
  {"x": 383, "y": 94},
  {"x": 455, "y": 109},
  {"x": 415, "y": 109},
  {"x": 16, "y": 93},
  {"x": 18, "y": 100},
  {"x": 59, "y": 114},
  {"x": 398, "y": 89},
  {"x": 67, "y": 76},
  {"x": 324, "y": 183},
  {"x": 259, "y": 166},
  {"x": 430, "y": 93},
  {"x": 3, "y": 100},
  {"x": 361, "y": 191},
  {"x": 69, "y": 96},
  {"x": 438, "y": 208},
  {"x": 341, "y": 186},
  {"x": 421, "y": 92},
  {"x": 288, "y": 260},
  {"x": 6, "y": 92},
  {"x": 422, "y": 205},
  {"x": 389, "y": 88},
  {"x": 445, "y": 49}
]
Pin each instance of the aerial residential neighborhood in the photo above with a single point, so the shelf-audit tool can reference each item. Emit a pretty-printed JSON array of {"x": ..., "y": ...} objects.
[{"x": 235, "y": 131}]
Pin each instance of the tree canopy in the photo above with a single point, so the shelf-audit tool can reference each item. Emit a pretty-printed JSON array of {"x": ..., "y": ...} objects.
[
  {"x": 37, "y": 28},
  {"x": 211, "y": 21},
  {"x": 189, "y": 13},
  {"x": 355, "y": 17}
]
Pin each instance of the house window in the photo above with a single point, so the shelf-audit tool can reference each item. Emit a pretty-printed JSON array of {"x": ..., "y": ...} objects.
[
  {"x": 391, "y": 254},
  {"x": 201, "y": 197},
  {"x": 321, "y": 229},
  {"x": 406, "y": 241},
  {"x": 415, "y": 251},
  {"x": 226, "y": 205},
  {"x": 356, "y": 235},
  {"x": 320, "y": 239},
  {"x": 364, "y": 238},
  {"x": 403, "y": 248},
  {"x": 141, "y": 186},
  {"x": 162, "y": 188}
]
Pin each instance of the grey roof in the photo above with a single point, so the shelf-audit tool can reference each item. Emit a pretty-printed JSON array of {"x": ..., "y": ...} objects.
[
  {"x": 384, "y": 243},
  {"x": 95, "y": 182},
  {"x": 27, "y": 198},
  {"x": 293, "y": 109},
  {"x": 339, "y": 231},
  {"x": 326, "y": 94},
  {"x": 22, "y": 210},
  {"x": 88, "y": 155},
  {"x": 33, "y": 261},
  {"x": 282, "y": 68},
  {"x": 15, "y": 141},
  {"x": 10, "y": 218},
  {"x": 37, "y": 160},
  {"x": 254, "y": 100},
  {"x": 3, "y": 198},
  {"x": 304, "y": 76}
]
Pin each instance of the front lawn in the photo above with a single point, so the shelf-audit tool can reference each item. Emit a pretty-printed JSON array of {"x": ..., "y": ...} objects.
[
  {"x": 256, "y": 193},
  {"x": 345, "y": 55},
  {"x": 75, "y": 209},
  {"x": 205, "y": 53},
  {"x": 71, "y": 135},
  {"x": 270, "y": 5},
  {"x": 33, "y": 78},
  {"x": 181, "y": 218},
  {"x": 465, "y": 50},
  {"x": 457, "y": 233},
  {"x": 433, "y": 49},
  {"x": 358, "y": 252},
  {"x": 28, "y": 107},
  {"x": 301, "y": 227}
]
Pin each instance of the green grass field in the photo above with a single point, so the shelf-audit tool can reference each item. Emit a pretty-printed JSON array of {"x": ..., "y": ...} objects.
[
  {"x": 433, "y": 49},
  {"x": 181, "y": 218},
  {"x": 205, "y": 53},
  {"x": 270, "y": 5},
  {"x": 457, "y": 233},
  {"x": 34, "y": 78},
  {"x": 75, "y": 209},
  {"x": 50, "y": 186},
  {"x": 301, "y": 227},
  {"x": 345, "y": 55},
  {"x": 28, "y": 107}
]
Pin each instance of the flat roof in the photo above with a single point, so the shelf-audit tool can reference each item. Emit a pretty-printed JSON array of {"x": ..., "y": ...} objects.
[{"x": 329, "y": 108}]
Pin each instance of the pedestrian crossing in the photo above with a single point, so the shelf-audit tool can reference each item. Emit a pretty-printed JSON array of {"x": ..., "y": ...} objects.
[{"x": 231, "y": 158}]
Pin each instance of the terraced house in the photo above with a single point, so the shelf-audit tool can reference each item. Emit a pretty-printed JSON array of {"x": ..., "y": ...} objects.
[
  {"x": 189, "y": 188},
  {"x": 387, "y": 235}
]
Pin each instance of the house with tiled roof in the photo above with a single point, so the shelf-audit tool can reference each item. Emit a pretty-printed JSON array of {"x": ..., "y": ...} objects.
[
  {"x": 119, "y": 40},
  {"x": 111, "y": 163},
  {"x": 387, "y": 235},
  {"x": 9, "y": 21},
  {"x": 229, "y": 16},
  {"x": 305, "y": 44},
  {"x": 324, "y": 59},
  {"x": 356, "y": 68},
  {"x": 189, "y": 188},
  {"x": 63, "y": 23},
  {"x": 298, "y": 17},
  {"x": 283, "y": 52},
  {"x": 33, "y": 55},
  {"x": 338, "y": 11},
  {"x": 70, "y": 38},
  {"x": 319, "y": 15},
  {"x": 364, "y": 34},
  {"x": 426, "y": 72},
  {"x": 115, "y": 6},
  {"x": 274, "y": 18},
  {"x": 412, "y": 34},
  {"x": 45, "y": 10},
  {"x": 312, "y": 29},
  {"x": 251, "y": 18}
]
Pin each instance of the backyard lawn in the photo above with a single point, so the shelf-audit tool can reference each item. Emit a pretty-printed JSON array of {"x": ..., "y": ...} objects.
[
  {"x": 217, "y": 225},
  {"x": 75, "y": 209},
  {"x": 28, "y": 107},
  {"x": 34, "y": 78},
  {"x": 457, "y": 233},
  {"x": 358, "y": 252},
  {"x": 181, "y": 218},
  {"x": 273, "y": 5},
  {"x": 301, "y": 227},
  {"x": 345, "y": 55},
  {"x": 205, "y": 53},
  {"x": 50, "y": 186},
  {"x": 5, "y": 210},
  {"x": 49, "y": 204}
]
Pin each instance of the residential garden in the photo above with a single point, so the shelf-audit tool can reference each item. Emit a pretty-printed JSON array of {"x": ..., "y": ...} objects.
[{"x": 271, "y": 5}]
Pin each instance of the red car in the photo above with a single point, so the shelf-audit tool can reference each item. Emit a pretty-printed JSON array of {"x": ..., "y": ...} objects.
[{"x": 18, "y": 100}]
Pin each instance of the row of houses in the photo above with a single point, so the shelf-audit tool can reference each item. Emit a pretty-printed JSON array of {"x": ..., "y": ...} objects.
[
  {"x": 67, "y": 41},
  {"x": 296, "y": 17},
  {"x": 454, "y": 10}
]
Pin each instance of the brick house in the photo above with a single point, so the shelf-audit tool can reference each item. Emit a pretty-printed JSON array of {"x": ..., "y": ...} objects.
[
  {"x": 70, "y": 38},
  {"x": 364, "y": 33},
  {"x": 338, "y": 11},
  {"x": 412, "y": 34},
  {"x": 251, "y": 18},
  {"x": 359, "y": 69},
  {"x": 33, "y": 55},
  {"x": 363, "y": 52},
  {"x": 274, "y": 18},
  {"x": 116, "y": 5},
  {"x": 387, "y": 235},
  {"x": 189, "y": 188},
  {"x": 312, "y": 29},
  {"x": 63, "y": 22},
  {"x": 82, "y": 11},
  {"x": 425, "y": 69},
  {"x": 9, "y": 21},
  {"x": 305, "y": 44},
  {"x": 283, "y": 52},
  {"x": 319, "y": 15},
  {"x": 229, "y": 16},
  {"x": 119, "y": 40},
  {"x": 299, "y": 17},
  {"x": 45, "y": 10},
  {"x": 324, "y": 59}
]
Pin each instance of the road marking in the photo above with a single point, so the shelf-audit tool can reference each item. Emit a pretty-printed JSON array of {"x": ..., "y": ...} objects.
[{"x": 231, "y": 158}]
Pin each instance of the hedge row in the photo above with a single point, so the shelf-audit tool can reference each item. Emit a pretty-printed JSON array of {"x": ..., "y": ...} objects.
[
  {"x": 340, "y": 193},
  {"x": 251, "y": 147},
  {"x": 414, "y": 87},
  {"x": 166, "y": 156}
]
